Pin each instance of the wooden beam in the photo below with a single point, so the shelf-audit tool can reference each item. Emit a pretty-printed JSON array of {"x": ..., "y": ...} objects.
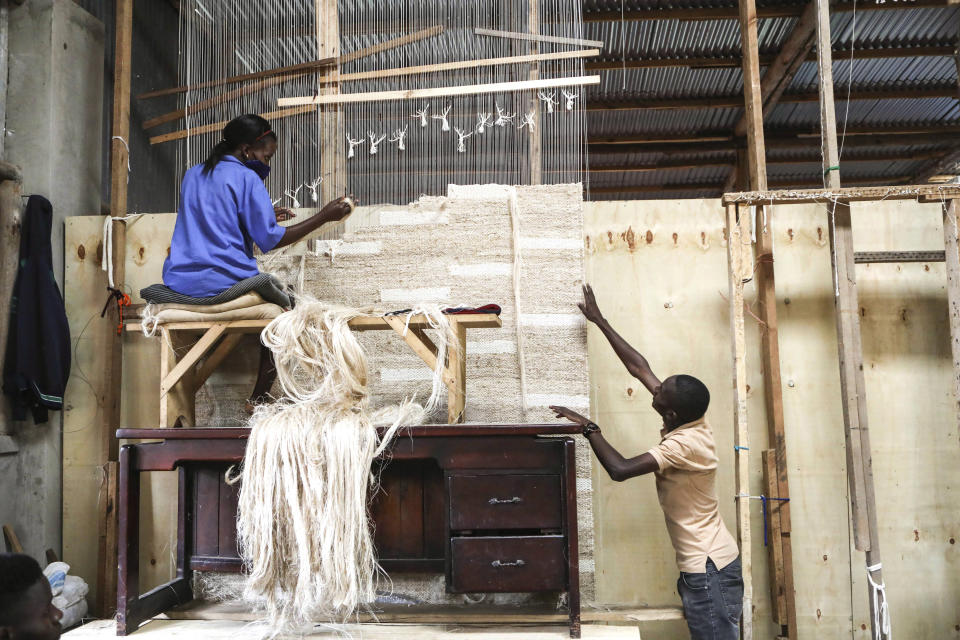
[
  {"x": 694, "y": 163},
  {"x": 730, "y": 12},
  {"x": 216, "y": 358},
  {"x": 189, "y": 360},
  {"x": 217, "y": 126},
  {"x": 203, "y": 105},
  {"x": 850, "y": 347},
  {"x": 752, "y": 124},
  {"x": 457, "y": 368},
  {"x": 951, "y": 245},
  {"x": 513, "y": 35},
  {"x": 294, "y": 70},
  {"x": 332, "y": 160},
  {"x": 736, "y": 101},
  {"x": 943, "y": 163},
  {"x": 766, "y": 59},
  {"x": 934, "y": 192},
  {"x": 738, "y": 253},
  {"x": 781, "y": 71},
  {"x": 462, "y": 90},
  {"x": 535, "y": 134},
  {"x": 119, "y": 175},
  {"x": 718, "y": 187}
]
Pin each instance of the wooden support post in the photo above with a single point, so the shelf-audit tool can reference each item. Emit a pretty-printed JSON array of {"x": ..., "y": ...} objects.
[
  {"x": 536, "y": 141},
  {"x": 852, "y": 386},
  {"x": 772, "y": 490},
  {"x": 738, "y": 244},
  {"x": 119, "y": 162},
  {"x": 331, "y": 128},
  {"x": 178, "y": 401},
  {"x": 952, "y": 258},
  {"x": 778, "y": 544},
  {"x": 457, "y": 366}
]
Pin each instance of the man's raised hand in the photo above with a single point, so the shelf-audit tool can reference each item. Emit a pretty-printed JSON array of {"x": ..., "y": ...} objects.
[
  {"x": 589, "y": 305},
  {"x": 569, "y": 414}
]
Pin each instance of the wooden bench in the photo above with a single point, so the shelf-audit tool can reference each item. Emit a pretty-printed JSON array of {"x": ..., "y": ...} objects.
[{"x": 207, "y": 344}]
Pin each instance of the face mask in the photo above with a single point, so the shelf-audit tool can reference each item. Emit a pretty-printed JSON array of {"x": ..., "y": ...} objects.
[{"x": 260, "y": 168}]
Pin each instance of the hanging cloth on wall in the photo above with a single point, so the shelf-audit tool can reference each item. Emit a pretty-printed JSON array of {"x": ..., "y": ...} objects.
[{"x": 37, "y": 362}]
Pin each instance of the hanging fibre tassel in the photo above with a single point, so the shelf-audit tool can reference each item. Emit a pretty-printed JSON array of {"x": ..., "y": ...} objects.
[{"x": 302, "y": 524}]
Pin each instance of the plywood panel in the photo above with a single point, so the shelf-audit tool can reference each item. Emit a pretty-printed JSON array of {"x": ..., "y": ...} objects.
[
  {"x": 660, "y": 274},
  {"x": 908, "y": 376}
]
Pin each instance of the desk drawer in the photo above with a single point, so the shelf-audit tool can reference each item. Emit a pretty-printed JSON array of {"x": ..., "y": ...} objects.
[
  {"x": 505, "y": 502},
  {"x": 508, "y": 564}
]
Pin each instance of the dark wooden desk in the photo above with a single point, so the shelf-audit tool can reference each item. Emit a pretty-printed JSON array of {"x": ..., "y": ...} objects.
[{"x": 493, "y": 507}]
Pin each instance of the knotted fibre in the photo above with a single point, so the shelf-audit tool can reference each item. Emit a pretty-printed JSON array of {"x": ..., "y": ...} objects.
[{"x": 303, "y": 524}]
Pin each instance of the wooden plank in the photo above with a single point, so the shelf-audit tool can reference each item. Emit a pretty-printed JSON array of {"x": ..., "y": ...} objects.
[
  {"x": 332, "y": 160},
  {"x": 426, "y": 352},
  {"x": 457, "y": 368},
  {"x": 781, "y": 71},
  {"x": 952, "y": 256},
  {"x": 216, "y": 358},
  {"x": 850, "y": 346},
  {"x": 361, "y": 323},
  {"x": 294, "y": 70},
  {"x": 328, "y": 43},
  {"x": 189, "y": 360},
  {"x": 203, "y": 105},
  {"x": 848, "y": 194},
  {"x": 468, "y": 64},
  {"x": 462, "y": 90},
  {"x": 792, "y": 10},
  {"x": 119, "y": 175},
  {"x": 738, "y": 247},
  {"x": 535, "y": 135},
  {"x": 775, "y": 565},
  {"x": 513, "y": 35},
  {"x": 12, "y": 541},
  {"x": 799, "y": 97},
  {"x": 764, "y": 273},
  {"x": 217, "y": 126}
]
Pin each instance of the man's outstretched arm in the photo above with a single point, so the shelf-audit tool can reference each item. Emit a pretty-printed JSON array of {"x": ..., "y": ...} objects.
[
  {"x": 635, "y": 363},
  {"x": 618, "y": 467}
]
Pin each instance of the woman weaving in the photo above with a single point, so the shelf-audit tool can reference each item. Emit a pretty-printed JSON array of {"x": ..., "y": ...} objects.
[{"x": 224, "y": 210}]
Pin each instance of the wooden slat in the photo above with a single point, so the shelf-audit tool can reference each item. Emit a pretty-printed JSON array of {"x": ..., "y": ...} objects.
[
  {"x": 463, "y": 90},
  {"x": 214, "y": 359},
  {"x": 644, "y": 12},
  {"x": 119, "y": 165},
  {"x": 457, "y": 367},
  {"x": 422, "y": 349},
  {"x": 850, "y": 347},
  {"x": 291, "y": 70},
  {"x": 13, "y": 542},
  {"x": 952, "y": 257},
  {"x": 203, "y": 105},
  {"x": 217, "y": 126},
  {"x": 189, "y": 360},
  {"x": 771, "y": 489},
  {"x": 781, "y": 71},
  {"x": 362, "y": 323},
  {"x": 849, "y": 194},
  {"x": 513, "y": 35},
  {"x": 535, "y": 134},
  {"x": 738, "y": 246}
]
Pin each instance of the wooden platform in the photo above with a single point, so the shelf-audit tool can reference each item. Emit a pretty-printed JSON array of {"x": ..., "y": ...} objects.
[{"x": 239, "y": 630}]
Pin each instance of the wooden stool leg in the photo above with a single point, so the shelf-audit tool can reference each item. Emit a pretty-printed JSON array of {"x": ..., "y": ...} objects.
[
  {"x": 179, "y": 401},
  {"x": 457, "y": 366}
]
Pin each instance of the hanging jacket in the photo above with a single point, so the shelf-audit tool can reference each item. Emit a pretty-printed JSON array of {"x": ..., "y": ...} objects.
[{"x": 37, "y": 361}]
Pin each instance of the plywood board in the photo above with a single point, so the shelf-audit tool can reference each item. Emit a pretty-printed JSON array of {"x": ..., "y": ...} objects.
[{"x": 909, "y": 383}]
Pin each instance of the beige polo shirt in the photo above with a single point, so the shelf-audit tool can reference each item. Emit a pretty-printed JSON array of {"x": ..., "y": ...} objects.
[{"x": 686, "y": 481}]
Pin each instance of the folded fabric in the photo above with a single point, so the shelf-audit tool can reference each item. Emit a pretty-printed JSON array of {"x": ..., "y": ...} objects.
[
  {"x": 245, "y": 301},
  {"x": 184, "y": 314},
  {"x": 456, "y": 311},
  {"x": 264, "y": 284}
]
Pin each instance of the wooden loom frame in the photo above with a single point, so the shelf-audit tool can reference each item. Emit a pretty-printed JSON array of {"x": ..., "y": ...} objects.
[{"x": 751, "y": 169}]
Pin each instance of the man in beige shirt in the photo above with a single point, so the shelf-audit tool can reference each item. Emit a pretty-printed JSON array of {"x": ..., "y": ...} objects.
[{"x": 685, "y": 466}]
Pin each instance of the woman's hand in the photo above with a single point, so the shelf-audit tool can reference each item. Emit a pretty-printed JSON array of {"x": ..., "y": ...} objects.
[
  {"x": 283, "y": 214},
  {"x": 337, "y": 210}
]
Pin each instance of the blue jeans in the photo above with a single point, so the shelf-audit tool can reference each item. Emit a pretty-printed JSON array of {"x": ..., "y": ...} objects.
[{"x": 713, "y": 601}]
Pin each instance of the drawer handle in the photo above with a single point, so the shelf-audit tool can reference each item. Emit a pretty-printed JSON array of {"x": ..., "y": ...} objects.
[
  {"x": 513, "y": 500},
  {"x": 498, "y": 564}
]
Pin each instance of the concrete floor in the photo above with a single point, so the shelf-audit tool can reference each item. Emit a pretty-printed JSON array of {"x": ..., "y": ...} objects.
[{"x": 239, "y": 630}]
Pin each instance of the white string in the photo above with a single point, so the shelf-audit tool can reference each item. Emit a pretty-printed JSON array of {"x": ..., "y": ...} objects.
[
  {"x": 881, "y": 612},
  {"x": 106, "y": 261},
  {"x": 125, "y": 146}
]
